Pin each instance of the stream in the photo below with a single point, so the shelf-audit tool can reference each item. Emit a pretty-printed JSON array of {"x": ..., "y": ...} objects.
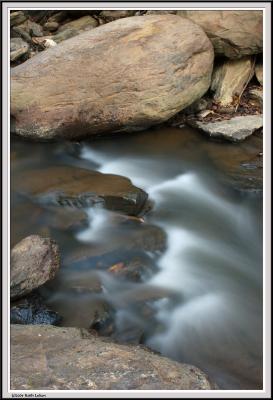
[{"x": 200, "y": 300}]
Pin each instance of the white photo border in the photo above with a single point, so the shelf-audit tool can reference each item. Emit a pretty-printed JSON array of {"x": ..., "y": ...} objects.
[{"x": 265, "y": 6}]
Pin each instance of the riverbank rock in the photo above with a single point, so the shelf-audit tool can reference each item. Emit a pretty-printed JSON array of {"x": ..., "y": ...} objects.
[
  {"x": 235, "y": 129},
  {"x": 233, "y": 33},
  {"x": 17, "y": 18},
  {"x": 74, "y": 28},
  {"x": 126, "y": 75},
  {"x": 80, "y": 188},
  {"x": 34, "y": 261},
  {"x": 229, "y": 79},
  {"x": 256, "y": 96},
  {"x": 71, "y": 359},
  {"x": 18, "y": 48},
  {"x": 259, "y": 73}
]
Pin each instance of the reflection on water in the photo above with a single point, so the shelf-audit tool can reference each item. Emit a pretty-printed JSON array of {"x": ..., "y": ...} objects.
[{"x": 203, "y": 295}]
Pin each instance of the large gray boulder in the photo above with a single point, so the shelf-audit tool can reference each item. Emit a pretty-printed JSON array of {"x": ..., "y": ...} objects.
[
  {"x": 34, "y": 261},
  {"x": 234, "y": 33},
  {"x": 47, "y": 357},
  {"x": 125, "y": 75}
]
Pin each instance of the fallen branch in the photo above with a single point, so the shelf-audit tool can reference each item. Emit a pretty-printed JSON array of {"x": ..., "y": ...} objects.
[{"x": 251, "y": 73}]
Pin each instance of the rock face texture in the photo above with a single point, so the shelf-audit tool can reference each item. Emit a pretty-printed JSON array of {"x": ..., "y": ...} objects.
[
  {"x": 259, "y": 73},
  {"x": 229, "y": 79},
  {"x": 34, "y": 261},
  {"x": 70, "y": 358},
  {"x": 233, "y": 33},
  {"x": 126, "y": 75},
  {"x": 18, "y": 47},
  {"x": 235, "y": 129},
  {"x": 78, "y": 187}
]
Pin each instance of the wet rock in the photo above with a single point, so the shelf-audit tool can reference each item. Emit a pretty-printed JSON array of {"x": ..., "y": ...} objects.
[
  {"x": 32, "y": 311},
  {"x": 17, "y": 17},
  {"x": 83, "y": 362},
  {"x": 259, "y": 72},
  {"x": 143, "y": 71},
  {"x": 51, "y": 26},
  {"x": 18, "y": 48},
  {"x": 235, "y": 129},
  {"x": 34, "y": 261},
  {"x": 229, "y": 79},
  {"x": 77, "y": 187},
  {"x": 134, "y": 269},
  {"x": 233, "y": 33},
  {"x": 240, "y": 166},
  {"x": 75, "y": 27},
  {"x": 117, "y": 241}
]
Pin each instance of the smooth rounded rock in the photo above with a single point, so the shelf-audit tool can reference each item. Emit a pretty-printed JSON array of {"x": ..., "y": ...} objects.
[
  {"x": 34, "y": 261},
  {"x": 126, "y": 75},
  {"x": 234, "y": 33}
]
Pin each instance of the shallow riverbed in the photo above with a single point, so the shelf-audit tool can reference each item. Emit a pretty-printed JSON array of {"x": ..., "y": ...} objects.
[{"x": 200, "y": 300}]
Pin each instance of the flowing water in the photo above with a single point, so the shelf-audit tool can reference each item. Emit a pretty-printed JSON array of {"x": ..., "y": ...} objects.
[{"x": 203, "y": 294}]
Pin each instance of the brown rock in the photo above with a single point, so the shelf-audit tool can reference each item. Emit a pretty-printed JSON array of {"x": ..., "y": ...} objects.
[
  {"x": 259, "y": 72},
  {"x": 34, "y": 261},
  {"x": 230, "y": 78},
  {"x": 18, "y": 48},
  {"x": 75, "y": 27},
  {"x": 111, "y": 15},
  {"x": 234, "y": 34},
  {"x": 47, "y": 357},
  {"x": 126, "y": 75},
  {"x": 51, "y": 26},
  {"x": 17, "y": 17},
  {"x": 77, "y": 187}
]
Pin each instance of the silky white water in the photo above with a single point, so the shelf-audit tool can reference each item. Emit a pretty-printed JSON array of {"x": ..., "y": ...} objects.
[
  {"x": 200, "y": 300},
  {"x": 213, "y": 261}
]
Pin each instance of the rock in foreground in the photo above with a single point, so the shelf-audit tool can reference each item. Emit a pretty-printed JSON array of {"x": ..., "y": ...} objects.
[
  {"x": 71, "y": 359},
  {"x": 235, "y": 129},
  {"x": 123, "y": 76},
  {"x": 78, "y": 187},
  {"x": 233, "y": 33},
  {"x": 34, "y": 261}
]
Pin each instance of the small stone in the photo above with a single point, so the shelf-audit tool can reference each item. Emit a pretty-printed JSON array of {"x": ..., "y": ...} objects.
[
  {"x": 51, "y": 26},
  {"x": 17, "y": 17}
]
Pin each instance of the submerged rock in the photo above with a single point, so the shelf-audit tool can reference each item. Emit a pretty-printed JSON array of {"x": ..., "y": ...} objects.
[
  {"x": 78, "y": 361},
  {"x": 126, "y": 75},
  {"x": 233, "y": 33},
  {"x": 34, "y": 261},
  {"x": 77, "y": 187},
  {"x": 32, "y": 311},
  {"x": 235, "y": 129}
]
